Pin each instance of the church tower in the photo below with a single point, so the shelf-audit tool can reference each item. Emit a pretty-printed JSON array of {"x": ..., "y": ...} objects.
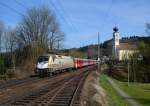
[
  {"x": 116, "y": 36},
  {"x": 115, "y": 42}
]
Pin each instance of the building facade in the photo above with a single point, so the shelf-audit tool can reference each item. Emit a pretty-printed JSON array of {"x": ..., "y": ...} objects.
[{"x": 122, "y": 51}]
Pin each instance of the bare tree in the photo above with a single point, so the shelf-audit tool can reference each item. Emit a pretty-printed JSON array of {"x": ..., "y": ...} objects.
[
  {"x": 11, "y": 44},
  {"x": 1, "y": 34},
  {"x": 37, "y": 32},
  {"x": 39, "y": 28},
  {"x": 148, "y": 28},
  {"x": 55, "y": 36}
]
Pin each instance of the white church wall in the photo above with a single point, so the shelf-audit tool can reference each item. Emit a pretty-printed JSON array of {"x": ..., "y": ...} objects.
[{"x": 125, "y": 54}]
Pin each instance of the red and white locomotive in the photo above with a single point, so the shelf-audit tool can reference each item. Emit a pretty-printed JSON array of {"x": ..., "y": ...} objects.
[{"x": 51, "y": 64}]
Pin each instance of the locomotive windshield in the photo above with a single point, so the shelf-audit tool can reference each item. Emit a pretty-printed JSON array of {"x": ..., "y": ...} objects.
[{"x": 43, "y": 58}]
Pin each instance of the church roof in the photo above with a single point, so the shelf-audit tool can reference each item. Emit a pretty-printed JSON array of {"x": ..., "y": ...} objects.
[{"x": 127, "y": 46}]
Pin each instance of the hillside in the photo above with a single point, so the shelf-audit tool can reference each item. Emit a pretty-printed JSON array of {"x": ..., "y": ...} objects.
[{"x": 90, "y": 51}]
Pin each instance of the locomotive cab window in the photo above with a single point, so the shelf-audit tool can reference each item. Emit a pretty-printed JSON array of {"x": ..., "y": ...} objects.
[{"x": 43, "y": 59}]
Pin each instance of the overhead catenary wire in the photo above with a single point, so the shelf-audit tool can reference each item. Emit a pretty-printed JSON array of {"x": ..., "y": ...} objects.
[
  {"x": 22, "y": 5},
  {"x": 66, "y": 14},
  {"x": 11, "y": 9},
  {"x": 19, "y": 3},
  {"x": 106, "y": 14},
  {"x": 57, "y": 11}
]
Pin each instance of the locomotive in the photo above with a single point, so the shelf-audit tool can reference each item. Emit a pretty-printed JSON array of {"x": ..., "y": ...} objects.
[{"x": 50, "y": 64}]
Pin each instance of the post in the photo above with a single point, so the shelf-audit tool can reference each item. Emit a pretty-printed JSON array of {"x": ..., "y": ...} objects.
[
  {"x": 134, "y": 72},
  {"x": 128, "y": 73},
  {"x": 98, "y": 53},
  {"x": 88, "y": 52},
  {"x": 13, "y": 62}
]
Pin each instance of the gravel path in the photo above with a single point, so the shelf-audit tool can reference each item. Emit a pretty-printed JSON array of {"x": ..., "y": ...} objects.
[{"x": 128, "y": 98}]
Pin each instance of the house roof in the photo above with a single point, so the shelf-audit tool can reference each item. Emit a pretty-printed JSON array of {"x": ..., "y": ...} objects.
[{"x": 127, "y": 46}]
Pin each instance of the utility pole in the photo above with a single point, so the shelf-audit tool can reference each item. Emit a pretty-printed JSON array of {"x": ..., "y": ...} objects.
[
  {"x": 134, "y": 72},
  {"x": 128, "y": 72},
  {"x": 58, "y": 45},
  {"x": 13, "y": 62},
  {"x": 98, "y": 53}
]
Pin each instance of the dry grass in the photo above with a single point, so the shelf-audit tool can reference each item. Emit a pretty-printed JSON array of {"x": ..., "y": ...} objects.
[
  {"x": 93, "y": 94},
  {"x": 24, "y": 71}
]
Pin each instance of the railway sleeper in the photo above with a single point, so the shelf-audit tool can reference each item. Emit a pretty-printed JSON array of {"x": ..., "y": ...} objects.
[
  {"x": 62, "y": 101},
  {"x": 58, "y": 104}
]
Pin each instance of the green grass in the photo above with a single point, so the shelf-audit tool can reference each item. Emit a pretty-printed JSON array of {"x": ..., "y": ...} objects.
[
  {"x": 140, "y": 92},
  {"x": 112, "y": 97}
]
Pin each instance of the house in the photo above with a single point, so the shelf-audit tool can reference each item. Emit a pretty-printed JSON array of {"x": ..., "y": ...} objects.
[{"x": 122, "y": 50}]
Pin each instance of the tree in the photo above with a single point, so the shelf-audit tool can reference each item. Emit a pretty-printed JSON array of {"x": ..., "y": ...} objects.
[
  {"x": 9, "y": 46},
  {"x": 39, "y": 27},
  {"x": 144, "y": 65},
  {"x": 38, "y": 30},
  {"x": 148, "y": 28},
  {"x": 56, "y": 37},
  {"x": 2, "y": 30},
  {"x": 11, "y": 43},
  {"x": 77, "y": 54},
  {"x": 145, "y": 51},
  {"x": 1, "y": 34}
]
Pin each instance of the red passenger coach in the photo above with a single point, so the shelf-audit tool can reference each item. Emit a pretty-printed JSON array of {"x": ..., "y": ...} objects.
[
  {"x": 90, "y": 62},
  {"x": 79, "y": 63}
]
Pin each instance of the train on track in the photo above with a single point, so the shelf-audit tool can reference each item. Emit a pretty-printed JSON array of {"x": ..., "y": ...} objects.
[{"x": 50, "y": 64}]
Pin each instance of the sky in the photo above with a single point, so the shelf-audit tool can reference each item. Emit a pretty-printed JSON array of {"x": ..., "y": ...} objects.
[{"x": 81, "y": 20}]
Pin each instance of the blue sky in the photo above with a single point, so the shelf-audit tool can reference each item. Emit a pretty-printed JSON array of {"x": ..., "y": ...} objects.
[{"x": 81, "y": 20}]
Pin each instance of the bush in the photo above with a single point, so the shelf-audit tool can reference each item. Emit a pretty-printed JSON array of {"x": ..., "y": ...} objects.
[
  {"x": 2, "y": 67},
  {"x": 10, "y": 74},
  {"x": 4, "y": 74},
  {"x": 3, "y": 77}
]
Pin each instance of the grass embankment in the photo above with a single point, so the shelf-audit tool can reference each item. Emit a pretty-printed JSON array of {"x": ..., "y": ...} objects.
[
  {"x": 112, "y": 97},
  {"x": 138, "y": 91},
  {"x": 93, "y": 94}
]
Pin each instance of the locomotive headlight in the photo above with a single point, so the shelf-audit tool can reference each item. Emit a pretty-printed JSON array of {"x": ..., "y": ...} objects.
[
  {"x": 42, "y": 65},
  {"x": 45, "y": 65}
]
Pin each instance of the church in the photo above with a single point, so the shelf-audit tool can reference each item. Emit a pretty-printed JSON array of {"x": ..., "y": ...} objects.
[{"x": 120, "y": 50}]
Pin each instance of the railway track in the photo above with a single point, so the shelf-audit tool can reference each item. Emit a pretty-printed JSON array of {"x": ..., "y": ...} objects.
[
  {"x": 58, "y": 90},
  {"x": 16, "y": 82},
  {"x": 20, "y": 82},
  {"x": 63, "y": 92},
  {"x": 68, "y": 94}
]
